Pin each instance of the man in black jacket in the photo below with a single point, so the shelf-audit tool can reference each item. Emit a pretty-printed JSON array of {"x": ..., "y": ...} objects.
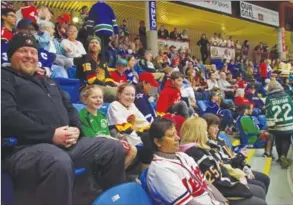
[{"x": 47, "y": 127}]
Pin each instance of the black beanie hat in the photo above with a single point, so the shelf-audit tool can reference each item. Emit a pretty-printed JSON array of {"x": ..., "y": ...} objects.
[{"x": 21, "y": 40}]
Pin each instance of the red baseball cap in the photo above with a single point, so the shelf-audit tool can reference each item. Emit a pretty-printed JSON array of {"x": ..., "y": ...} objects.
[{"x": 149, "y": 78}]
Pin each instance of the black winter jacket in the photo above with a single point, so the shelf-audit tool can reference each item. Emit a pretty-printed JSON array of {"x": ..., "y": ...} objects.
[{"x": 32, "y": 107}]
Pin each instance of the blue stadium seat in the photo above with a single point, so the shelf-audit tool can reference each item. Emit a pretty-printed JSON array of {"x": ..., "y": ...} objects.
[
  {"x": 202, "y": 106},
  {"x": 103, "y": 109},
  {"x": 58, "y": 72},
  {"x": 71, "y": 86},
  {"x": 72, "y": 72},
  {"x": 78, "y": 106},
  {"x": 224, "y": 137},
  {"x": 124, "y": 194}
]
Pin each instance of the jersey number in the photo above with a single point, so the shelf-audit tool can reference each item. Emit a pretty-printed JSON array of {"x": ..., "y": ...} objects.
[{"x": 287, "y": 108}]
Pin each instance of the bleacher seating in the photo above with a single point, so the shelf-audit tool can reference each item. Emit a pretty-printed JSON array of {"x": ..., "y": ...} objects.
[
  {"x": 202, "y": 106},
  {"x": 71, "y": 86},
  {"x": 103, "y": 109},
  {"x": 124, "y": 194}
]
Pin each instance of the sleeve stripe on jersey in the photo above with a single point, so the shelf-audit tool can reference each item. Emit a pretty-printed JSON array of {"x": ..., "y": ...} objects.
[{"x": 183, "y": 199}]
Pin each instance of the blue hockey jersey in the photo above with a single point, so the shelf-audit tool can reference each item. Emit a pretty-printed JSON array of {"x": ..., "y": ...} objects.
[{"x": 102, "y": 20}]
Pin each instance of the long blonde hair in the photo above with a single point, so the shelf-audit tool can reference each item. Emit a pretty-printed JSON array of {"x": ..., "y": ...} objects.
[{"x": 194, "y": 129}]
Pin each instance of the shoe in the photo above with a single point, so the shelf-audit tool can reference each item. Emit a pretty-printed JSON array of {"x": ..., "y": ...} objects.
[
  {"x": 284, "y": 162},
  {"x": 266, "y": 155}
]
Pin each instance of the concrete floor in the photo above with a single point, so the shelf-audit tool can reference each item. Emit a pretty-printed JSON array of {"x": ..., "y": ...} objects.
[{"x": 279, "y": 192}]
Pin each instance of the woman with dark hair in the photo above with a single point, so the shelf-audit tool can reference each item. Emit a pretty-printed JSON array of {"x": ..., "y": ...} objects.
[
  {"x": 229, "y": 157},
  {"x": 131, "y": 74},
  {"x": 204, "y": 47},
  {"x": 279, "y": 114},
  {"x": 173, "y": 177}
]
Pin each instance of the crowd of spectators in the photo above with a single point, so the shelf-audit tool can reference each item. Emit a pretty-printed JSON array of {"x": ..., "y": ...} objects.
[{"x": 134, "y": 134}]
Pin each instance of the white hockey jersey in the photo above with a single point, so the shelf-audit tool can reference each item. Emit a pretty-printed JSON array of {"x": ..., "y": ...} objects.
[{"x": 178, "y": 181}]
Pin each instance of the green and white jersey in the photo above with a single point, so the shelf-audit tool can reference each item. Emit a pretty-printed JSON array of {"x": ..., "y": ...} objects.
[{"x": 279, "y": 113}]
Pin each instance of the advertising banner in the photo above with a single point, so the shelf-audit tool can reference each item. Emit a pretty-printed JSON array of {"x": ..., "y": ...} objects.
[
  {"x": 162, "y": 43},
  {"x": 219, "y": 52},
  {"x": 259, "y": 14},
  {"x": 153, "y": 15},
  {"x": 220, "y": 6}
]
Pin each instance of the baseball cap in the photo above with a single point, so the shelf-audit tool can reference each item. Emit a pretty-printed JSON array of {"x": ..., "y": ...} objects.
[
  {"x": 25, "y": 23},
  {"x": 149, "y": 78},
  {"x": 121, "y": 61}
]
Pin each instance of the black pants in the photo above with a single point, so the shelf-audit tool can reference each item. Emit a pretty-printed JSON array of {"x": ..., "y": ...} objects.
[
  {"x": 261, "y": 180},
  {"x": 44, "y": 173},
  {"x": 105, "y": 40},
  {"x": 283, "y": 142},
  {"x": 204, "y": 55}
]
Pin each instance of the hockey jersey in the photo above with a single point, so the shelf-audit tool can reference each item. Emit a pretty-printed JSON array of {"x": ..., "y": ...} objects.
[
  {"x": 279, "y": 112},
  {"x": 118, "y": 118},
  {"x": 102, "y": 20},
  {"x": 142, "y": 103},
  {"x": 221, "y": 175},
  {"x": 177, "y": 181},
  {"x": 29, "y": 12},
  {"x": 6, "y": 34}
]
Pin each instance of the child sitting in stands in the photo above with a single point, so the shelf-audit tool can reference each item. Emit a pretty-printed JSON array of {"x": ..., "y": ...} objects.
[
  {"x": 250, "y": 133},
  {"x": 170, "y": 97},
  {"x": 252, "y": 96},
  {"x": 94, "y": 122},
  {"x": 240, "y": 99}
]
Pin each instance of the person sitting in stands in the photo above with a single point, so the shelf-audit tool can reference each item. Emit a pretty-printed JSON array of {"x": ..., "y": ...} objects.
[
  {"x": 229, "y": 157},
  {"x": 8, "y": 18},
  {"x": 173, "y": 177},
  {"x": 119, "y": 75},
  {"x": 90, "y": 70},
  {"x": 147, "y": 66},
  {"x": 51, "y": 44},
  {"x": 94, "y": 123},
  {"x": 127, "y": 122},
  {"x": 72, "y": 47},
  {"x": 183, "y": 36},
  {"x": 145, "y": 86},
  {"x": 174, "y": 35},
  {"x": 231, "y": 182},
  {"x": 131, "y": 74},
  {"x": 240, "y": 83},
  {"x": 252, "y": 96},
  {"x": 226, "y": 88},
  {"x": 212, "y": 82},
  {"x": 252, "y": 132},
  {"x": 170, "y": 96},
  {"x": 163, "y": 33},
  {"x": 46, "y": 125},
  {"x": 240, "y": 98}
]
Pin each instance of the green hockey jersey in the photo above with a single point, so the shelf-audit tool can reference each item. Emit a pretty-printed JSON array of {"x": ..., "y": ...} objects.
[{"x": 279, "y": 112}]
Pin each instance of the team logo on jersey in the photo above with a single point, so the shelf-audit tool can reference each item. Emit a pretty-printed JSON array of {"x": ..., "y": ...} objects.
[
  {"x": 104, "y": 123},
  {"x": 28, "y": 41}
]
